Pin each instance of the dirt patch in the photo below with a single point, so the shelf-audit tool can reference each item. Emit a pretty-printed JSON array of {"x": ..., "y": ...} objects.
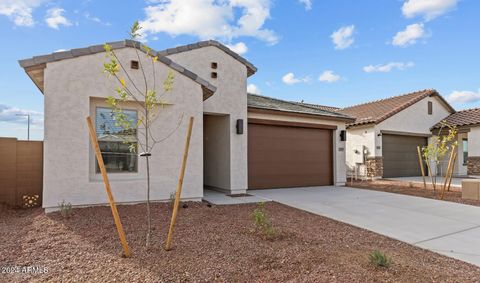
[
  {"x": 215, "y": 243},
  {"x": 412, "y": 189}
]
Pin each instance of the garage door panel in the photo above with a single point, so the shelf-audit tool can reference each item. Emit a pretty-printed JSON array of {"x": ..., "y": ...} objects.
[
  {"x": 400, "y": 157},
  {"x": 283, "y": 156}
]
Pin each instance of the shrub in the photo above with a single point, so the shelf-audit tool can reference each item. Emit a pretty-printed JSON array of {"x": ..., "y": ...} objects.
[
  {"x": 379, "y": 259},
  {"x": 262, "y": 221},
  {"x": 65, "y": 209},
  {"x": 172, "y": 199}
]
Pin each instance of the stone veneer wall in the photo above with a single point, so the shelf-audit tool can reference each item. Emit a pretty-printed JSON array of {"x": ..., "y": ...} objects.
[
  {"x": 473, "y": 165},
  {"x": 374, "y": 167}
]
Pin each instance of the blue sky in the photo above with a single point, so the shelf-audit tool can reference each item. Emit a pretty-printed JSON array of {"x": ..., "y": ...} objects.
[{"x": 332, "y": 52}]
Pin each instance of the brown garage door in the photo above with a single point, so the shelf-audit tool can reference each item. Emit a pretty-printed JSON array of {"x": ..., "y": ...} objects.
[
  {"x": 288, "y": 155},
  {"x": 400, "y": 157}
]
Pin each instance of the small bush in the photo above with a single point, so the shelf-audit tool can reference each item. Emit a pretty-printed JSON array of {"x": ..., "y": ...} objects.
[
  {"x": 65, "y": 209},
  {"x": 172, "y": 199},
  {"x": 379, "y": 259},
  {"x": 262, "y": 221}
]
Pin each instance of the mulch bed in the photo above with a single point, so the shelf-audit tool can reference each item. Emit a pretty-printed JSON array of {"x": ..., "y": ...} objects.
[
  {"x": 413, "y": 189},
  {"x": 215, "y": 243}
]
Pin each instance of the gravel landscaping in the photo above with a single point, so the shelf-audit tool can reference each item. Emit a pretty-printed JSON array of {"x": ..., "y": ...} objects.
[
  {"x": 216, "y": 243},
  {"x": 413, "y": 189}
]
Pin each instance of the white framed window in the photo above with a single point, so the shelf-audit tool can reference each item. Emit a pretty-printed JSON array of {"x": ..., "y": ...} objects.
[{"x": 115, "y": 142}]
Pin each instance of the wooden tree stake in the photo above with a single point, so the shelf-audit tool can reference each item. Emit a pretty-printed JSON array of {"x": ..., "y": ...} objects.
[
  {"x": 431, "y": 175},
  {"x": 420, "y": 160},
  {"x": 453, "y": 168},
  {"x": 113, "y": 206},
  {"x": 447, "y": 174},
  {"x": 178, "y": 193}
]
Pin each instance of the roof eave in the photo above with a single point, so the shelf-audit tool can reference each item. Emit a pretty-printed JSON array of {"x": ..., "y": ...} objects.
[
  {"x": 277, "y": 111},
  {"x": 251, "y": 69},
  {"x": 42, "y": 60}
]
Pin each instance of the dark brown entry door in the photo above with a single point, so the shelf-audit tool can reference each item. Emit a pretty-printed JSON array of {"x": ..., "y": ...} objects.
[
  {"x": 400, "y": 157},
  {"x": 287, "y": 156}
]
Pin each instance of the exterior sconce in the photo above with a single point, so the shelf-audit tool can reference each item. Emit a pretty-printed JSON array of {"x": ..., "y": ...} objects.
[{"x": 240, "y": 127}]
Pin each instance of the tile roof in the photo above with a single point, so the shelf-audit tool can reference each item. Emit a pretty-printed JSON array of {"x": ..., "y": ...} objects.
[
  {"x": 462, "y": 118},
  {"x": 321, "y": 107},
  {"x": 57, "y": 56},
  {"x": 377, "y": 111},
  {"x": 269, "y": 103},
  {"x": 250, "y": 67}
]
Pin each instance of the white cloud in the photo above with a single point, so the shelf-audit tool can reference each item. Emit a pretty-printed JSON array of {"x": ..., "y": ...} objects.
[
  {"x": 429, "y": 9},
  {"x": 329, "y": 77},
  {"x": 290, "y": 79},
  {"x": 240, "y": 48},
  {"x": 464, "y": 96},
  {"x": 10, "y": 114},
  {"x": 385, "y": 68},
  {"x": 306, "y": 3},
  {"x": 251, "y": 88},
  {"x": 20, "y": 11},
  {"x": 95, "y": 19},
  {"x": 55, "y": 18},
  {"x": 343, "y": 37},
  {"x": 409, "y": 36},
  {"x": 206, "y": 19}
]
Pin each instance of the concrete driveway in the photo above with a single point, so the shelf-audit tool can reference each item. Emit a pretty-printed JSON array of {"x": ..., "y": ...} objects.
[{"x": 447, "y": 228}]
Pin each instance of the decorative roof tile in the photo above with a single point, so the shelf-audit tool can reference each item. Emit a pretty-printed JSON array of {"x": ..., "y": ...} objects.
[
  {"x": 377, "y": 111},
  {"x": 269, "y": 103},
  {"x": 462, "y": 118},
  {"x": 250, "y": 67},
  {"x": 36, "y": 60}
]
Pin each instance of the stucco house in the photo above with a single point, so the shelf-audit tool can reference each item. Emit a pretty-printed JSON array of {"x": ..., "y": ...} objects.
[
  {"x": 468, "y": 140},
  {"x": 239, "y": 141},
  {"x": 383, "y": 139}
]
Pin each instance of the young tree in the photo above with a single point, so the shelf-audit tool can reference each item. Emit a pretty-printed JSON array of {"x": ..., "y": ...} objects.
[
  {"x": 437, "y": 149},
  {"x": 145, "y": 97}
]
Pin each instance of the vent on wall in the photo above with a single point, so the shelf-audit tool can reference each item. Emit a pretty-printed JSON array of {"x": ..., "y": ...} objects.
[
  {"x": 134, "y": 64},
  {"x": 214, "y": 65},
  {"x": 214, "y": 75}
]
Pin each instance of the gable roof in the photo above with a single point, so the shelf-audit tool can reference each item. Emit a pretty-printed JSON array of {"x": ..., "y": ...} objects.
[
  {"x": 462, "y": 118},
  {"x": 251, "y": 69},
  {"x": 274, "y": 104},
  {"x": 321, "y": 107},
  {"x": 377, "y": 111},
  {"x": 34, "y": 67}
]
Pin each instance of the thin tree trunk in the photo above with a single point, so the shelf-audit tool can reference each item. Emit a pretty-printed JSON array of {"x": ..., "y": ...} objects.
[{"x": 149, "y": 220}]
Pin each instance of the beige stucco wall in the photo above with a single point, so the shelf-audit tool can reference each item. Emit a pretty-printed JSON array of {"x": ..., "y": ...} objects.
[
  {"x": 339, "y": 169},
  {"x": 216, "y": 149},
  {"x": 230, "y": 99},
  {"x": 70, "y": 88},
  {"x": 359, "y": 138},
  {"x": 474, "y": 142}
]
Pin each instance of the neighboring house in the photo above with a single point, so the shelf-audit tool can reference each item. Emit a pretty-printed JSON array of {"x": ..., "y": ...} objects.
[
  {"x": 468, "y": 140},
  {"x": 271, "y": 143},
  {"x": 383, "y": 140}
]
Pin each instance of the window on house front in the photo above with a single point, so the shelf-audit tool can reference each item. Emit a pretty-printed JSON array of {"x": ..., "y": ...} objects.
[
  {"x": 465, "y": 151},
  {"x": 115, "y": 142},
  {"x": 430, "y": 108}
]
